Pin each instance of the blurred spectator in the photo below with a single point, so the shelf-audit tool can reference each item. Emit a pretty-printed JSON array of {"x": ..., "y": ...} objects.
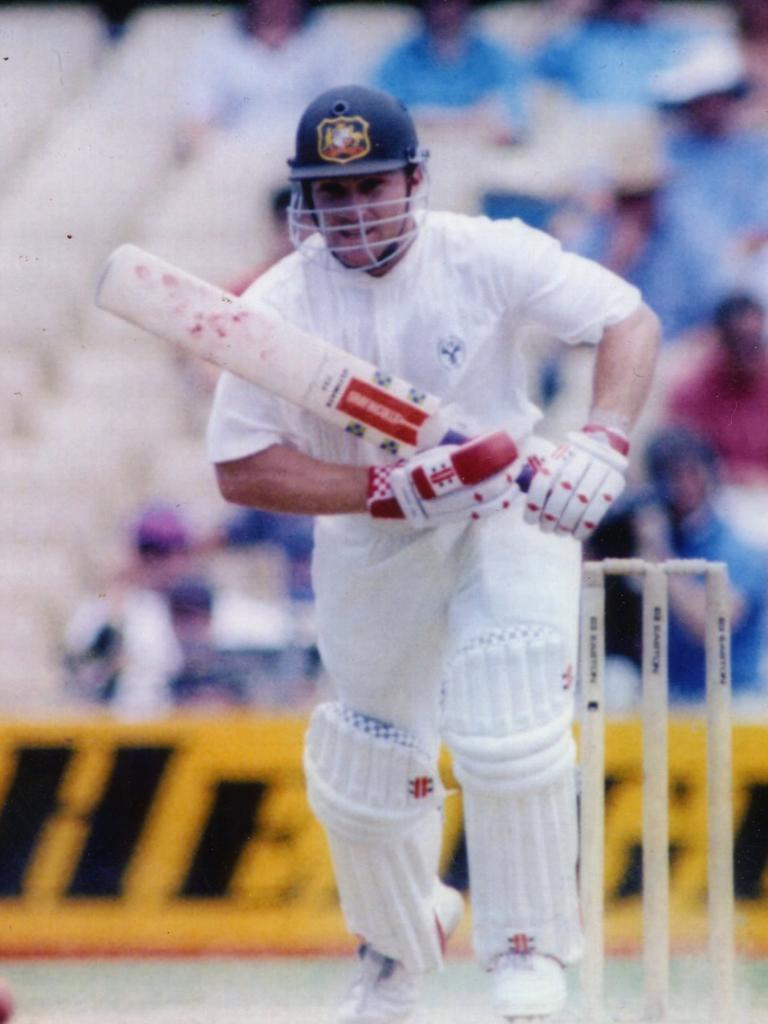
[
  {"x": 635, "y": 234},
  {"x": 293, "y": 536},
  {"x": 291, "y": 533},
  {"x": 677, "y": 518},
  {"x": 750, "y": 266},
  {"x": 207, "y": 676},
  {"x": 256, "y": 72},
  {"x": 718, "y": 185},
  {"x": 752, "y": 20},
  {"x": 277, "y": 245},
  {"x": 161, "y": 636},
  {"x": 724, "y": 395},
  {"x": 610, "y": 55},
  {"x": 450, "y": 74},
  {"x": 121, "y": 649}
]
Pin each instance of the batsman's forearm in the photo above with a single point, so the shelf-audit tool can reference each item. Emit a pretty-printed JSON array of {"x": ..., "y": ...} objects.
[
  {"x": 281, "y": 479},
  {"x": 624, "y": 366}
]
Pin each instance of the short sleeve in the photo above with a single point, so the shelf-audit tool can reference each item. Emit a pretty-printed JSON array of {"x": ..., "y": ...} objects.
[
  {"x": 569, "y": 296},
  {"x": 244, "y": 420}
]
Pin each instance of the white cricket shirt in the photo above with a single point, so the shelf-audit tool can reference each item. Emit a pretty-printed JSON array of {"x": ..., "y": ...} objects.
[{"x": 447, "y": 318}]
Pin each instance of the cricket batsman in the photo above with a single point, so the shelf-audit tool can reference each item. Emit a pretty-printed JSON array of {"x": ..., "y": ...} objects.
[{"x": 446, "y": 597}]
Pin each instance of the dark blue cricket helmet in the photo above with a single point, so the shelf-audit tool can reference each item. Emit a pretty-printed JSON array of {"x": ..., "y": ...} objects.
[{"x": 352, "y": 129}]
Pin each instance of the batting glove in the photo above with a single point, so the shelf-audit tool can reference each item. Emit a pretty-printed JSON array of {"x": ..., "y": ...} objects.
[
  {"x": 451, "y": 483},
  {"x": 577, "y": 484}
]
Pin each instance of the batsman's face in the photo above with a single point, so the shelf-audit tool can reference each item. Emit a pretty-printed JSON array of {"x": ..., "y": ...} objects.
[{"x": 362, "y": 217}]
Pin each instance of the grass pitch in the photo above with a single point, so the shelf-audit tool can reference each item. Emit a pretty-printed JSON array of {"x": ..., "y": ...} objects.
[{"x": 305, "y": 991}]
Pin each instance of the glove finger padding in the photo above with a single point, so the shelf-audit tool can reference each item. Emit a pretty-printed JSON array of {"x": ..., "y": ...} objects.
[
  {"x": 611, "y": 488},
  {"x": 542, "y": 484},
  {"x": 576, "y": 486},
  {"x": 590, "y": 482}
]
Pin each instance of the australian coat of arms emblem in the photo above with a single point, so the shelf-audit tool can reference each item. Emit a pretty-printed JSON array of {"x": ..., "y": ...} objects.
[{"x": 341, "y": 139}]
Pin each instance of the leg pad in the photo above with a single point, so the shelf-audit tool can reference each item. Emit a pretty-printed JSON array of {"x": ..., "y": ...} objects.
[{"x": 379, "y": 797}]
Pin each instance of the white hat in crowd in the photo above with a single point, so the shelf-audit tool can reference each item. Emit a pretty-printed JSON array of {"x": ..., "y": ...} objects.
[{"x": 709, "y": 67}]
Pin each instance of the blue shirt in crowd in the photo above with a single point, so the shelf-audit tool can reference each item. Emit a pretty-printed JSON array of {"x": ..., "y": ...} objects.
[
  {"x": 612, "y": 62},
  {"x": 675, "y": 271},
  {"x": 718, "y": 183},
  {"x": 416, "y": 73},
  {"x": 292, "y": 533},
  {"x": 749, "y": 574}
]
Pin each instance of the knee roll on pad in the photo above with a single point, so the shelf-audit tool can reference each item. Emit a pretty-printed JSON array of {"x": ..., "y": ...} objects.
[
  {"x": 508, "y": 709},
  {"x": 507, "y": 681},
  {"x": 378, "y": 795}
]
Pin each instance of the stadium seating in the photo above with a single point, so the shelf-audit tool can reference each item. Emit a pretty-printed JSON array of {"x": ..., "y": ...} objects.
[
  {"x": 96, "y": 417},
  {"x": 48, "y": 53}
]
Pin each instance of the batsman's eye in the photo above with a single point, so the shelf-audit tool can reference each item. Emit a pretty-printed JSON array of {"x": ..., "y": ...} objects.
[
  {"x": 331, "y": 193},
  {"x": 370, "y": 186}
]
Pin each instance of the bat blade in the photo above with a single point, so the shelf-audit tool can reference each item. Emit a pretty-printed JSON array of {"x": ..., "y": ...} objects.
[{"x": 254, "y": 342}]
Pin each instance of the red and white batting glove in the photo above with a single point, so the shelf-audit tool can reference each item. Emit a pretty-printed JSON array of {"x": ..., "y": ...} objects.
[
  {"x": 450, "y": 483},
  {"x": 577, "y": 484}
]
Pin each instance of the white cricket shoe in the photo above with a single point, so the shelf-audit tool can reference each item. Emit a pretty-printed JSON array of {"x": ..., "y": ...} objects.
[
  {"x": 383, "y": 991},
  {"x": 528, "y": 985}
]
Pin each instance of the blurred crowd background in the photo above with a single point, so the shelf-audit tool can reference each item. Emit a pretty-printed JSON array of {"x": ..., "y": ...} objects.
[{"x": 634, "y": 130}]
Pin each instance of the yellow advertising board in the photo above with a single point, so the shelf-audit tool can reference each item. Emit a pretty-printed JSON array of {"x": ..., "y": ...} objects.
[{"x": 193, "y": 834}]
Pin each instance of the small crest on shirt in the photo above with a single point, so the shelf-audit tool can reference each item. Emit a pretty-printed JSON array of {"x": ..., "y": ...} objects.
[
  {"x": 341, "y": 139},
  {"x": 451, "y": 351}
]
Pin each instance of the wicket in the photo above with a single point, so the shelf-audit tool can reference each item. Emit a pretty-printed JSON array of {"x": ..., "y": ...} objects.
[{"x": 655, "y": 863}]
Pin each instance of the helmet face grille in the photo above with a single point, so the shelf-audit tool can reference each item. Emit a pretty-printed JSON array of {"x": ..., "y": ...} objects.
[
  {"x": 314, "y": 235},
  {"x": 354, "y": 130}
]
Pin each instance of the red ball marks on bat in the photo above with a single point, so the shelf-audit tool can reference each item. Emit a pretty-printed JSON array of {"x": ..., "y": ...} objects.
[
  {"x": 567, "y": 485},
  {"x": 217, "y": 323},
  {"x": 170, "y": 281},
  {"x": 142, "y": 272},
  {"x": 583, "y": 499}
]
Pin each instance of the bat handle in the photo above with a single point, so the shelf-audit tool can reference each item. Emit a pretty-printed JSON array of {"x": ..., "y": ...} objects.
[{"x": 525, "y": 476}]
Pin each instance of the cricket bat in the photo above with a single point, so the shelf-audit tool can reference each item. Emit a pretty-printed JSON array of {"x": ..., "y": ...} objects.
[{"x": 254, "y": 342}]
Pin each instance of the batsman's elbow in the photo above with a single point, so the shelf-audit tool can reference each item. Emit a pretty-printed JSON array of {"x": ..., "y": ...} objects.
[
  {"x": 256, "y": 480},
  {"x": 234, "y": 482}
]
